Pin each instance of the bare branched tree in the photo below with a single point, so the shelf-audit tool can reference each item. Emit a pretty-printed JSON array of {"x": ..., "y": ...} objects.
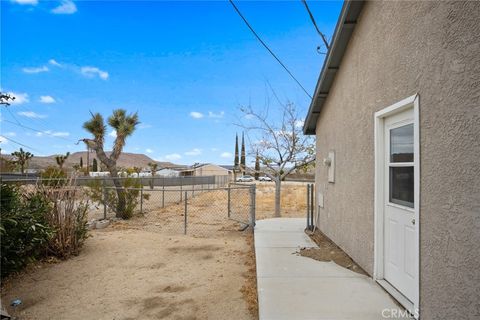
[{"x": 276, "y": 137}]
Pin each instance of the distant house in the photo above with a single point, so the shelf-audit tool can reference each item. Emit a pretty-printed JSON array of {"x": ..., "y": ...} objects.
[
  {"x": 396, "y": 114},
  {"x": 167, "y": 172},
  {"x": 209, "y": 169}
]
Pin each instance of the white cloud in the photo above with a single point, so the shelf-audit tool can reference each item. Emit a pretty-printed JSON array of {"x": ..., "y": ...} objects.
[
  {"x": 144, "y": 126},
  {"x": 299, "y": 123},
  {"x": 52, "y": 133},
  {"x": 20, "y": 98},
  {"x": 113, "y": 134},
  {"x": 216, "y": 115},
  {"x": 194, "y": 152},
  {"x": 196, "y": 115},
  {"x": 148, "y": 150},
  {"x": 65, "y": 7},
  {"x": 173, "y": 157},
  {"x": 3, "y": 140},
  {"x": 47, "y": 99},
  {"x": 24, "y": 2},
  {"x": 54, "y": 62},
  {"x": 91, "y": 72},
  {"x": 10, "y": 134},
  {"x": 31, "y": 114},
  {"x": 213, "y": 149},
  {"x": 226, "y": 155},
  {"x": 35, "y": 69}
]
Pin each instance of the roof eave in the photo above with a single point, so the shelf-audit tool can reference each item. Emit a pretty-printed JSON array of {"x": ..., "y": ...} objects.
[{"x": 343, "y": 31}]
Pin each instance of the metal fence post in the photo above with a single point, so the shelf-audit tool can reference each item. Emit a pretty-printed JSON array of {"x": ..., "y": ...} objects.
[
  {"x": 311, "y": 207},
  {"x": 104, "y": 191},
  {"x": 141, "y": 200},
  {"x": 228, "y": 201},
  {"x": 252, "y": 206},
  {"x": 181, "y": 185},
  {"x": 163, "y": 195},
  {"x": 185, "y": 215},
  {"x": 308, "y": 206}
]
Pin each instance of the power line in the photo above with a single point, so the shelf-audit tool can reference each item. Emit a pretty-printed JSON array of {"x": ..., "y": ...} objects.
[
  {"x": 268, "y": 49},
  {"x": 315, "y": 24},
  {"x": 40, "y": 131},
  {"x": 11, "y": 113},
  {"x": 20, "y": 144}
]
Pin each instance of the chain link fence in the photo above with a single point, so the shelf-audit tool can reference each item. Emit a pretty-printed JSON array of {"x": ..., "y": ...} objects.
[
  {"x": 187, "y": 205},
  {"x": 194, "y": 211}
]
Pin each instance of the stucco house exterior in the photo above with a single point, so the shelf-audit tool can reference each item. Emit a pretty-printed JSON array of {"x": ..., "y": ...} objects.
[{"x": 396, "y": 114}]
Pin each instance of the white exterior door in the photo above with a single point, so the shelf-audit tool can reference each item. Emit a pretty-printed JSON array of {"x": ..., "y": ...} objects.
[{"x": 400, "y": 236}]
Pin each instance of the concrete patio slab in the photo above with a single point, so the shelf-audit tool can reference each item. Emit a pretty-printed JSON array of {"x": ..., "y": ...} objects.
[
  {"x": 295, "y": 287},
  {"x": 270, "y": 239}
]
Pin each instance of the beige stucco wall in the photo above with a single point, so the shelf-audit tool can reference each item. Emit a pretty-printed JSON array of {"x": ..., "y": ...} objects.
[
  {"x": 399, "y": 49},
  {"x": 211, "y": 170}
]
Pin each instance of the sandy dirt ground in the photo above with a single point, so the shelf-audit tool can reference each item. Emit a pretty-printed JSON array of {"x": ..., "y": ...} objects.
[{"x": 135, "y": 270}]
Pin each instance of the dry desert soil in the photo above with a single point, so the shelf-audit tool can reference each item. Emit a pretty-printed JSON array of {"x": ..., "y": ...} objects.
[{"x": 128, "y": 271}]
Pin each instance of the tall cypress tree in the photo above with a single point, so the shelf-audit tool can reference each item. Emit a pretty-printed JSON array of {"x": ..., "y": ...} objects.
[
  {"x": 257, "y": 167},
  {"x": 81, "y": 162},
  {"x": 94, "y": 165},
  {"x": 235, "y": 164},
  {"x": 242, "y": 156}
]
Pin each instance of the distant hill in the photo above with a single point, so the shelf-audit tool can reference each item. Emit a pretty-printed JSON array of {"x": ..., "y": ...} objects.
[{"x": 125, "y": 160}]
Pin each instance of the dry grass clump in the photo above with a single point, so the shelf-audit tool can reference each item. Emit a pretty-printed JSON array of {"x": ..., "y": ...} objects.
[{"x": 249, "y": 288}]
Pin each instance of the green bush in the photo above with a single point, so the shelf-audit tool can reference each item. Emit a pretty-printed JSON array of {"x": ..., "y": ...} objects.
[
  {"x": 24, "y": 230},
  {"x": 132, "y": 195}
]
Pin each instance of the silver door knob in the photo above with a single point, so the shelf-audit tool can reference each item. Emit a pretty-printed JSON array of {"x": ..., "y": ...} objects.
[{"x": 413, "y": 221}]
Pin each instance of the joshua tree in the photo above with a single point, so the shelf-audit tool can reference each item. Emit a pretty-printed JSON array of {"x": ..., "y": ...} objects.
[
  {"x": 21, "y": 158},
  {"x": 137, "y": 170},
  {"x": 280, "y": 144},
  {"x": 81, "y": 162},
  {"x": 61, "y": 160},
  {"x": 94, "y": 165},
  {"x": 124, "y": 126},
  {"x": 153, "y": 168}
]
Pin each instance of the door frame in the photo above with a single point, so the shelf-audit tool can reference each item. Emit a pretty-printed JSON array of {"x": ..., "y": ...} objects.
[{"x": 379, "y": 212}]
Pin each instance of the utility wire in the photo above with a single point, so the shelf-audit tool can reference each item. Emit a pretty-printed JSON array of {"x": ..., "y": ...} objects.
[
  {"x": 315, "y": 24},
  {"x": 268, "y": 49},
  {"x": 13, "y": 116},
  {"x": 40, "y": 131},
  {"x": 20, "y": 144}
]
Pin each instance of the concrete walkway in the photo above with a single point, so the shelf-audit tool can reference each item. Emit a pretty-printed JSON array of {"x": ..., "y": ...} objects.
[{"x": 295, "y": 287}]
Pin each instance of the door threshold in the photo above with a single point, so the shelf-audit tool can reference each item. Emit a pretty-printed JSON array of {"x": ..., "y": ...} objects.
[{"x": 397, "y": 295}]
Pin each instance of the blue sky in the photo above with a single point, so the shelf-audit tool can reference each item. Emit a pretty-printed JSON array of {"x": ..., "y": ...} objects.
[{"x": 185, "y": 67}]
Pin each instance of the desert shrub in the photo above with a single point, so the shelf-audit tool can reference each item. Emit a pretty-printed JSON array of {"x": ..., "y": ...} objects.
[
  {"x": 110, "y": 198},
  {"x": 45, "y": 220},
  {"x": 24, "y": 230},
  {"x": 53, "y": 177},
  {"x": 68, "y": 218}
]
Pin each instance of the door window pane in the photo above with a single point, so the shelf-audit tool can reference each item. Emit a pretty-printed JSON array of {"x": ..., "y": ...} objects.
[
  {"x": 401, "y": 144},
  {"x": 401, "y": 186}
]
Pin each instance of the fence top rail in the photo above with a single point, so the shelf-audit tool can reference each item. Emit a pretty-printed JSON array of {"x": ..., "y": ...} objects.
[
  {"x": 106, "y": 178},
  {"x": 237, "y": 187}
]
